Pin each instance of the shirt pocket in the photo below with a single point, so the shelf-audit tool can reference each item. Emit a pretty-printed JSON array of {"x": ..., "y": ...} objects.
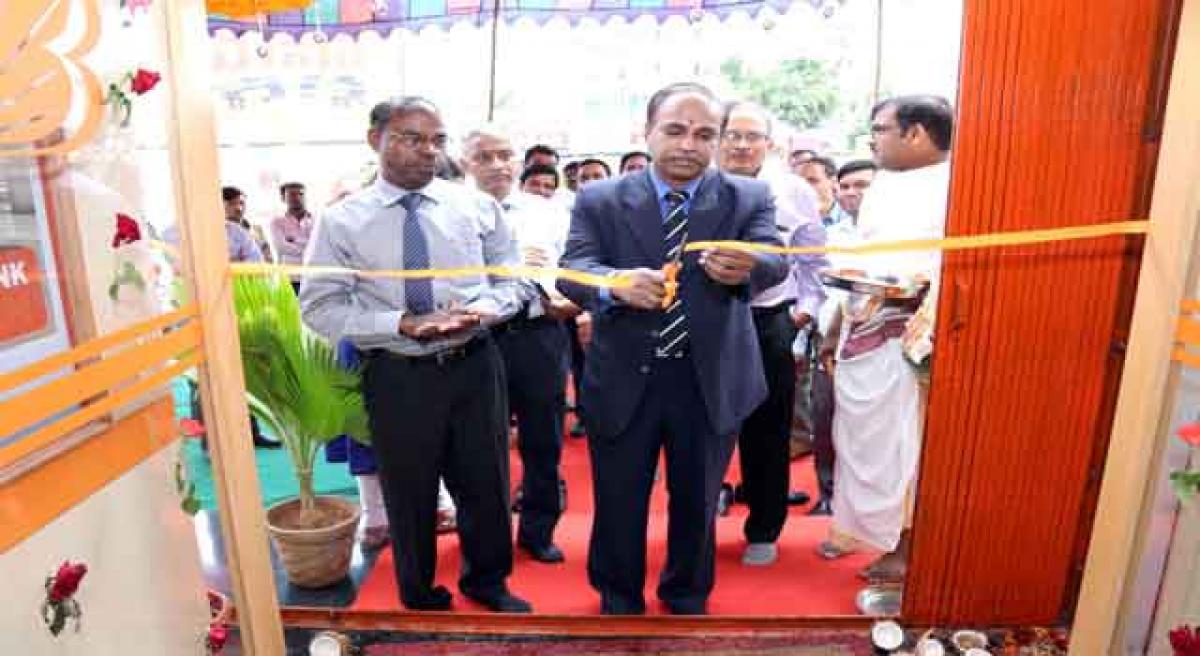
[{"x": 464, "y": 245}]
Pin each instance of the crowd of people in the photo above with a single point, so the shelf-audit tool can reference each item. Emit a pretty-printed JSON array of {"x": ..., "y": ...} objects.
[{"x": 685, "y": 352}]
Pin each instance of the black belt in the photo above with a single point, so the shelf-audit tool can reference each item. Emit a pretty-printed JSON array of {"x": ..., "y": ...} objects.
[
  {"x": 520, "y": 322},
  {"x": 773, "y": 309},
  {"x": 442, "y": 357}
]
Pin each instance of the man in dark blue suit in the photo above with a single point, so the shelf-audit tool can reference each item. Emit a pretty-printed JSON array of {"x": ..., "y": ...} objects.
[{"x": 679, "y": 375}]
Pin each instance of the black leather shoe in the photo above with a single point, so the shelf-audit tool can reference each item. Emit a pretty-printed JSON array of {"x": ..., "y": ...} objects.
[
  {"x": 438, "y": 598},
  {"x": 798, "y": 498},
  {"x": 613, "y": 605},
  {"x": 548, "y": 553},
  {"x": 821, "y": 508},
  {"x": 501, "y": 601},
  {"x": 686, "y": 607}
]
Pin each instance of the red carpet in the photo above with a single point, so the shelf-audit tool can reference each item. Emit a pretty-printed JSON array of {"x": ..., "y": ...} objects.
[
  {"x": 800, "y": 583},
  {"x": 812, "y": 643}
]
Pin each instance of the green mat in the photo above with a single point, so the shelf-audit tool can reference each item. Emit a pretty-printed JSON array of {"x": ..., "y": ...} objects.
[
  {"x": 274, "y": 469},
  {"x": 274, "y": 476}
]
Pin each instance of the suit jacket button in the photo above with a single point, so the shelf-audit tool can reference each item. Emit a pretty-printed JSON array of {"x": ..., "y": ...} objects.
[{"x": 644, "y": 369}]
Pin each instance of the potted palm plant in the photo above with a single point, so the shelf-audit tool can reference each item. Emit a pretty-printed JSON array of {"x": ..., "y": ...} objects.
[{"x": 296, "y": 387}]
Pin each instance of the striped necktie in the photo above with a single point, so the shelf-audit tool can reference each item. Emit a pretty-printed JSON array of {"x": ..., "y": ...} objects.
[
  {"x": 673, "y": 338},
  {"x": 418, "y": 292}
]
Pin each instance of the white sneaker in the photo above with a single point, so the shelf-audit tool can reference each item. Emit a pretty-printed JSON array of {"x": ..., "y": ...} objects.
[{"x": 760, "y": 554}]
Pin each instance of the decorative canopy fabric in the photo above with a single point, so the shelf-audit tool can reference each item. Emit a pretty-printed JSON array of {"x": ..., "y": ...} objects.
[{"x": 332, "y": 17}]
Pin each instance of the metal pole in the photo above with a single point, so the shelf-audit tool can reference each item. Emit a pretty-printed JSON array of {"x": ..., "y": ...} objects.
[
  {"x": 878, "y": 72},
  {"x": 491, "y": 112}
]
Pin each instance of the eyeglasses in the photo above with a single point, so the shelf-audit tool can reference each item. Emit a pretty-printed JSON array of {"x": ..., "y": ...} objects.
[
  {"x": 751, "y": 138},
  {"x": 485, "y": 157},
  {"x": 418, "y": 140}
]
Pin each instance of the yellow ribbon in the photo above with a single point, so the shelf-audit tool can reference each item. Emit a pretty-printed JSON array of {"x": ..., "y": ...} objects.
[
  {"x": 972, "y": 242},
  {"x": 519, "y": 271}
]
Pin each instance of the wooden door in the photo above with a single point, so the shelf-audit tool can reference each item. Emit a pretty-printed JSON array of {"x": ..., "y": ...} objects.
[{"x": 1056, "y": 125}]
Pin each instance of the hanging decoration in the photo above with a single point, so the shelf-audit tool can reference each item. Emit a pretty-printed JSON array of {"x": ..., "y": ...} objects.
[
  {"x": 249, "y": 8},
  {"x": 60, "y": 604},
  {"x": 326, "y": 18}
]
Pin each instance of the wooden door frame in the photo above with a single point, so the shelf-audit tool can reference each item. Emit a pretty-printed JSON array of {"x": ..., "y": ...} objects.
[
  {"x": 1139, "y": 432},
  {"x": 1131, "y": 451}
]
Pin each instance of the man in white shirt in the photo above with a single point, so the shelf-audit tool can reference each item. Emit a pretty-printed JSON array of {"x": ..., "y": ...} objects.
[
  {"x": 779, "y": 312},
  {"x": 853, "y": 180},
  {"x": 533, "y": 342},
  {"x": 543, "y": 155},
  {"x": 877, "y": 421}
]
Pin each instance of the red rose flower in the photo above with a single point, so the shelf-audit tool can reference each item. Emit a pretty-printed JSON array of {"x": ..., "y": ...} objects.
[
  {"x": 66, "y": 581},
  {"x": 127, "y": 231},
  {"x": 1185, "y": 641},
  {"x": 1190, "y": 433},
  {"x": 191, "y": 427},
  {"x": 218, "y": 635},
  {"x": 143, "y": 81}
]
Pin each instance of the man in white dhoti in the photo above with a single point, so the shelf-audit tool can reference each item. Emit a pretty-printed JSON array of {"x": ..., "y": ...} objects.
[{"x": 877, "y": 422}]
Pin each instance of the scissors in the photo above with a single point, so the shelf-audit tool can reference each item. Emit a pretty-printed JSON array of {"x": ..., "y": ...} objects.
[{"x": 671, "y": 274}]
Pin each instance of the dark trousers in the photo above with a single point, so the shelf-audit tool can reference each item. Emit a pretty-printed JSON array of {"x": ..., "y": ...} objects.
[
  {"x": 763, "y": 445},
  {"x": 824, "y": 456},
  {"x": 671, "y": 416},
  {"x": 535, "y": 364},
  {"x": 577, "y": 355},
  {"x": 431, "y": 419}
]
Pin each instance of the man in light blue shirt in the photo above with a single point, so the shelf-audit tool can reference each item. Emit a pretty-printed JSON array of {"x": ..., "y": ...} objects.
[
  {"x": 433, "y": 380},
  {"x": 238, "y": 240}
]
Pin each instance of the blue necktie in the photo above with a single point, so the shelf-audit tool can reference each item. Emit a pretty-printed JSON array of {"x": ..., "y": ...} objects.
[
  {"x": 418, "y": 292},
  {"x": 673, "y": 338}
]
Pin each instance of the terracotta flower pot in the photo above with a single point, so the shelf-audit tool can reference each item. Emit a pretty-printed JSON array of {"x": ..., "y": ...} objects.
[{"x": 318, "y": 556}]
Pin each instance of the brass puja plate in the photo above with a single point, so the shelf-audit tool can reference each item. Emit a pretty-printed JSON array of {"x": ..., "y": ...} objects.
[{"x": 857, "y": 280}]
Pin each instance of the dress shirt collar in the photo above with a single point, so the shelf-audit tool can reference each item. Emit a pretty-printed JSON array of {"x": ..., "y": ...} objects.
[
  {"x": 390, "y": 194},
  {"x": 661, "y": 188}
]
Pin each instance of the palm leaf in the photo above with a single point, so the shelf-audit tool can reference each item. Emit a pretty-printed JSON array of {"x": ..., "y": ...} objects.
[{"x": 294, "y": 383}]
